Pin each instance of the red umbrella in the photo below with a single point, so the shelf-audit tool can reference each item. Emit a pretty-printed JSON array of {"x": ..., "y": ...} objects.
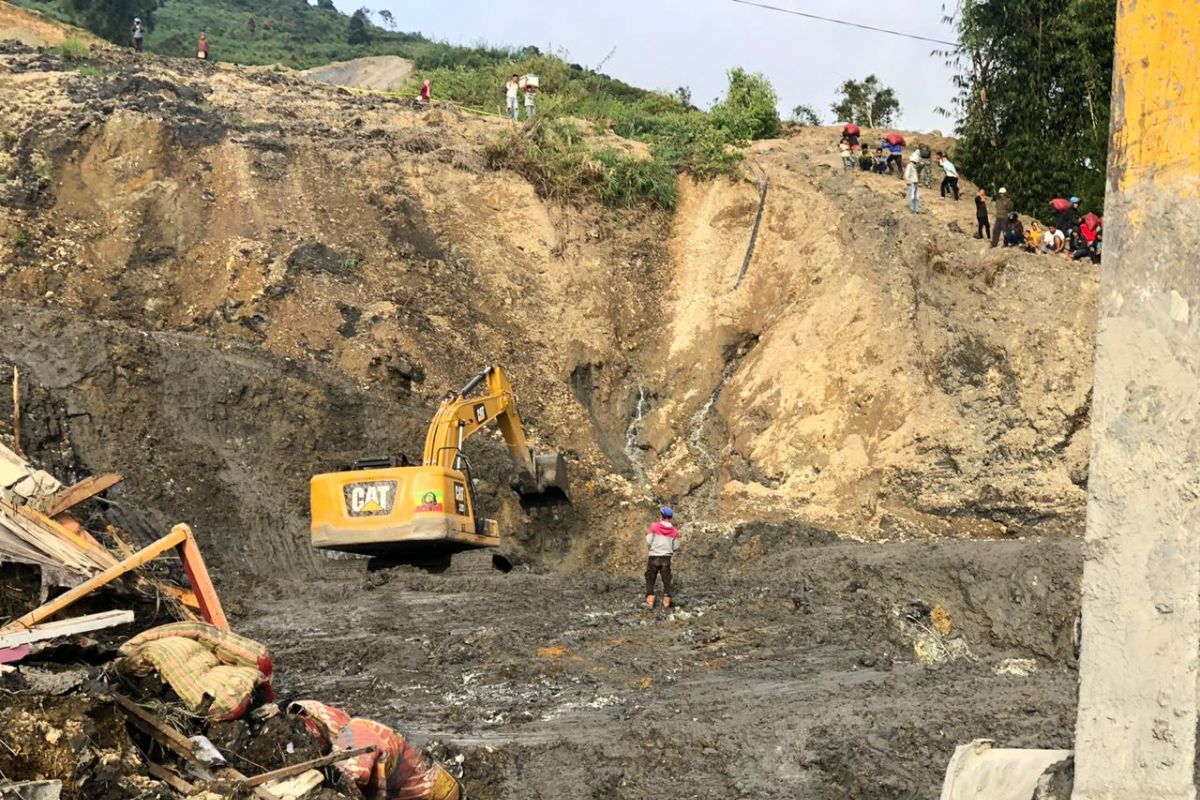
[
  {"x": 1060, "y": 204},
  {"x": 851, "y": 130},
  {"x": 895, "y": 138}
]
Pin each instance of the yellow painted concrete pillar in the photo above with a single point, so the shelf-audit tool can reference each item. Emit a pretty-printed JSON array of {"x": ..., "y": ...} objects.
[{"x": 1140, "y": 663}]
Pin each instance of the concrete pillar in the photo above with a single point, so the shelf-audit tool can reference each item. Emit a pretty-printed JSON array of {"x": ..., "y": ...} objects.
[{"x": 1136, "y": 733}]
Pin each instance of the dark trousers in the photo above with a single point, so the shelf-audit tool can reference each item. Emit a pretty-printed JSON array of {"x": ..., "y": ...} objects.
[
  {"x": 950, "y": 184},
  {"x": 654, "y": 566},
  {"x": 999, "y": 228},
  {"x": 985, "y": 228},
  {"x": 895, "y": 159},
  {"x": 137, "y": 44}
]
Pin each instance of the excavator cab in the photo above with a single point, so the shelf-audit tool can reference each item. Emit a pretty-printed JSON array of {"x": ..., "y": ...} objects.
[{"x": 381, "y": 507}]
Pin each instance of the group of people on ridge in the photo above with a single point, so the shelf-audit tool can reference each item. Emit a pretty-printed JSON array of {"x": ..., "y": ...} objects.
[
  {"x": 1072, "y": 235},
  {"x": 889, "y": 156},
  {"x": 138, "y": 32}
]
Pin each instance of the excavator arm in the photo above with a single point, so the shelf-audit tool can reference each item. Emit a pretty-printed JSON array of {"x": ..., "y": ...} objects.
[{"x": 462, "y": 415}]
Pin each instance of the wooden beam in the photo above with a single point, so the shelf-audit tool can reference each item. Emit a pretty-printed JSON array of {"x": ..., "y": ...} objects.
[
  {"x": 296, "y": 769},
  {"x": 66, "y": 627},
  {"x": 179, "y": 744},
  {"x": 147, "y": 553},
  {"x": 170, "y": 778},
  {"x": 75, "y": 494},
  {"x": 197, "y": 575},
  {"x": 16, "y": 420}
]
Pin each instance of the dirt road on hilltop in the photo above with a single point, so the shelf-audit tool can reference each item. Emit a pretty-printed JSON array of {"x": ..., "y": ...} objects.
[{"x": 806, "y": 683}]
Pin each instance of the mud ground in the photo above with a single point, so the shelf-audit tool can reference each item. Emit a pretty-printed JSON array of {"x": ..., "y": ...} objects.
[{"x": 815, "y": 672}]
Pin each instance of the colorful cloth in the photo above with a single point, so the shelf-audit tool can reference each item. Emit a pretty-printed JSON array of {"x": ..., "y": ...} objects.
[
  {"x": 322, "y": 721},
  {"x": 397, "y": 769}
]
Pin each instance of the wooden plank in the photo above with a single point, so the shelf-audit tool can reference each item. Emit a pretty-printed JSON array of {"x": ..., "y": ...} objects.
[
  {"x": 16, "y": 418},
  {"x": 75, "y": 494},
  {"x": 175, "y": 741},
  {"x": 78, "y": 537},
  {"x": 66, "y": 627},
  {"x": 297, "y": 787},
  {"x": 47, "y": 610},
  {"x": 170, "y": 778},
  {"x": 66, "y": 553},
  {"x": 197, "y": 575},
  {"x": 296, "y": 769}
]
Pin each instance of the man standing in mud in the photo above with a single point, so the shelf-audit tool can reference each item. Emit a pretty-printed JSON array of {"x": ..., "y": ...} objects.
[{"x": 662, "y": 540}]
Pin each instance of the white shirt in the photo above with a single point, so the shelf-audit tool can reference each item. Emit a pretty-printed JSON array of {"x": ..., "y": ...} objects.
[
  {"x": 510, "y": 90},
  {"x": 1051, "y": 240}
]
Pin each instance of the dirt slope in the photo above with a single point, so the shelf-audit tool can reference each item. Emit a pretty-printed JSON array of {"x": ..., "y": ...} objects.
[
  {"x": 383, "y": 73},
  {"x": 873, "y": 373}
]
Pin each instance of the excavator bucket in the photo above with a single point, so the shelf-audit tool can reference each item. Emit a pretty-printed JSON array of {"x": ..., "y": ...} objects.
[{"x": 549, "y": 483}]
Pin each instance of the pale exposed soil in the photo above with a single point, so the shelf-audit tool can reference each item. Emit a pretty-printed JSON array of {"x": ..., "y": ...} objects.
[{"x": 382, "y": 73}]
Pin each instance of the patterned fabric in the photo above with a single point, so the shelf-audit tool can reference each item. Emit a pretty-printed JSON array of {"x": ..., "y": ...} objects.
[
  {"x": 322, "y": 721},
  {"x": 230, "y": 648},
  {"x": 220, "y": 691},
  {"x": 397, "y": 769}
]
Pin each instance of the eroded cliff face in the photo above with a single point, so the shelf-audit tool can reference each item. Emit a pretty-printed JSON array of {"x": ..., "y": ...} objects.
[{"x": 220, "y": 281}]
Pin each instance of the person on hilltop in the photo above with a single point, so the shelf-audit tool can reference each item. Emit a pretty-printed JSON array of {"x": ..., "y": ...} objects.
[
  {"x": 202, "y": 47},
  {"x": 662, "y": 541},
  {"x": 426, "y": 92},
  {"x": 1014, "y": 231},
  {"x": 1033, "y": 237},
  {"x": 912, "y": 179},
  {"x": 1004, "y": 207},
  {"x": 139, "y": 33},
  {"x": 950, "y": 176},
  {"x": 1068, "y": 219},
  {"x": 983, "y": 227},
  {"x": 895, "y": 152},
  {"x": 511, "y": 90},
  {"x": 530, "y": 100},
  {"x": 879, "y": 163},
  {"x": 1054, "y": 241},
  {"x": 847, "y": 158}
]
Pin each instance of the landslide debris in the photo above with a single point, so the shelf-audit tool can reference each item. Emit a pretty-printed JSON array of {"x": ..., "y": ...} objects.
[{"x": 873, "y": 373}]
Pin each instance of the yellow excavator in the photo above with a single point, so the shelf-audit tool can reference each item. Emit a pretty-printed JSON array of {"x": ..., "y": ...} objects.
[{"x": 379, "y": 507}]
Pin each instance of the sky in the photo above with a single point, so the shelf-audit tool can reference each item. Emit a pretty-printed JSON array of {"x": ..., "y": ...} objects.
[{"x": 663, "y": 44}]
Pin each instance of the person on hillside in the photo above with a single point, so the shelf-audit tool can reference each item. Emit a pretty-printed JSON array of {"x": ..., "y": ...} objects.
[
  {"x": 895, "y": 153},
  {"x": 1054, "y": 241},
  {"x": 662, "y": 542},
  {"x": 983, "y": 228},
  {"x": 1068, "y": 219},
  {"x": 847, "y": 158},
  {"x": 1033, "y": 237},
  {"x": 426, "y": 92},
  {"x": 139, "y": 34},
  {"x": 912, "y": 179},
  {"x": 511, "y": 90},
  {"x": 855, "y": 145},
  {"x": 880, "y": 165},
  {"x": 1004, "y": 207},
  {"x": 202, "y": 47},
  {"x": 950, "y": 176},
  {"x": 1014, "y": 231},
  {"x": 530, "y": 100}
]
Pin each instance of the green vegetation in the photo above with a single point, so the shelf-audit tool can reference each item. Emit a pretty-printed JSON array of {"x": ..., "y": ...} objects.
[
  {"x": 805, "y": 115},
  {"x": 112, "y": 19},
  {"x": 552, "y": 152},
  {"x": 73, "y": 50},
  {"x": 866, "y": 102},
  {"x": 1034, "y": 92}
]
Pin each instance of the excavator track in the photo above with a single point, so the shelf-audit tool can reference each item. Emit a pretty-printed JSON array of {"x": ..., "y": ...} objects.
[{"x": 477, "y": 562}]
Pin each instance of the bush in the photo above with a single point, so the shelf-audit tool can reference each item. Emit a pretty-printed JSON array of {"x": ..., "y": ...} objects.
[
  {"x": 750, "y": 109},
  {"x": 73, "y": 50}
]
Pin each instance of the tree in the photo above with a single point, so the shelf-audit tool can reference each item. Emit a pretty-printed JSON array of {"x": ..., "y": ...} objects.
[
  {"x": 326, "y": 4},
  {"x": 358, "y": 28},
  {"x": 866, "y": 102},
  {"x": 805, "y": 115},
  {"x": 750, "y": 109},
  {"x": 388, "y": 18},
  {"x": 684, "y": 95},
  {"x": 1034, "y": 80},
  {"x": 113, "y": 19}
]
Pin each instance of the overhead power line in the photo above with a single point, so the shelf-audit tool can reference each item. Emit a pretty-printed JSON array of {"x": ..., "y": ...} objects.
[{"x": 845, "y": 22}]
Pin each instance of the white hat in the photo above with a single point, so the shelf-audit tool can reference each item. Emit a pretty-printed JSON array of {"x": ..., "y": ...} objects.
[{"x": 1003, "y": 190}]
